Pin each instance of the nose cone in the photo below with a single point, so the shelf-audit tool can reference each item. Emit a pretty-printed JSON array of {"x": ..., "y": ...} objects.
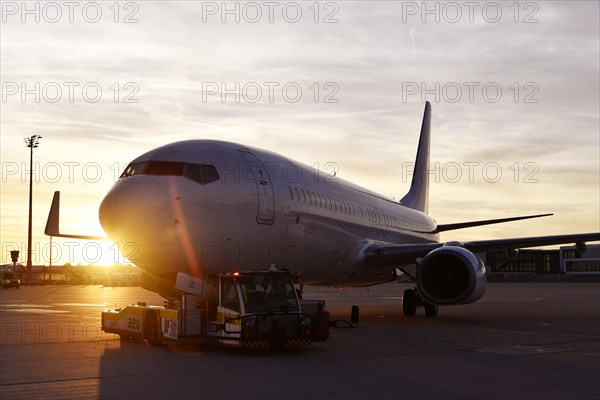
[{"x": 131, "y": 211}]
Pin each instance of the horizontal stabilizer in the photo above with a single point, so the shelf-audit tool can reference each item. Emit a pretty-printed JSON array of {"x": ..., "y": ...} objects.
[
  {"x": 52, "y": 225},
  {"x": 462, "y": 225}
]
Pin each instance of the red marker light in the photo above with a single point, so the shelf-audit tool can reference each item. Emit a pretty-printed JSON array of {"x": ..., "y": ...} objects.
[{"x": 236, "y": 274}]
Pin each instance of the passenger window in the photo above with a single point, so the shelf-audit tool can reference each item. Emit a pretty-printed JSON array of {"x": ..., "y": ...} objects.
[{"x": 290, "y": 193}]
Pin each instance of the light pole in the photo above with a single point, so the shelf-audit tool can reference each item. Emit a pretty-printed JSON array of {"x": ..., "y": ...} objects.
[{"x": 31, "y": 142}]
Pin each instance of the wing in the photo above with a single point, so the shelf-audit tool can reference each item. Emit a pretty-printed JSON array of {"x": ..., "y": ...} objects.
[
  {"x": 396, "y": 255},
  {"x": 462, "y": 225}
]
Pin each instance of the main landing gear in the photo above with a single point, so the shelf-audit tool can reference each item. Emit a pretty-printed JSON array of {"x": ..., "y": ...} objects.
[{"x": 412, "y": 300}]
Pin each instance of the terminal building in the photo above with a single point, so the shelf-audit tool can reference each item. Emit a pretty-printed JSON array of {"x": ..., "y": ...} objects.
[
  {"x": 568, "y": 260},
  {"x": 121, "y": 275}
]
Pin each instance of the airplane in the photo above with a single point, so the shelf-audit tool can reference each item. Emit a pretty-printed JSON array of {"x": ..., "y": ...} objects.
[{"x": 204, "y": 207}]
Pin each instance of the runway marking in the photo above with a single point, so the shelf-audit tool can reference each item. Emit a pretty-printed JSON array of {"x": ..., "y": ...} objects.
[
  {"x": 28, "y": 308},
  {"x": 29, "y": 301},
  {"x": 521, "y": 350},
  {"x": 38, "y": 311},
  {"x": 10, "y": 306}
]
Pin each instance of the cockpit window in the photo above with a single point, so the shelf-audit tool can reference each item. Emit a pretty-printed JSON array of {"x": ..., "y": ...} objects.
[
  {"x": 164, "y": 168},
  {"x": 201, "y": 173},
  {"x": 209, "y": 173},
  {"x": 134, "y": 169}
]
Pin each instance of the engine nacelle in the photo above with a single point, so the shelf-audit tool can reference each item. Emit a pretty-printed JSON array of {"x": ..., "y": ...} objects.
[{"x": 451, "y": 275}]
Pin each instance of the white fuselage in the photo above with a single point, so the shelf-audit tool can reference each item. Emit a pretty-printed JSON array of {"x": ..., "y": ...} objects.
[{"x": 170, "y": 212}]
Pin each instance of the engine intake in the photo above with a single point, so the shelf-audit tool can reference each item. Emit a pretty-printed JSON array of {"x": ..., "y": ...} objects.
[{"x": 451, "y": 275}]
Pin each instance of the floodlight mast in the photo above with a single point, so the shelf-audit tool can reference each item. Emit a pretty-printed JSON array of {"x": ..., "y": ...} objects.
[{"x": 31, "y": 142}]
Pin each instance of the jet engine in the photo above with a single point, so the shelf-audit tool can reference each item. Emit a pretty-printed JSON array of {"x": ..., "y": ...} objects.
[{"x": 451, "y": 275}]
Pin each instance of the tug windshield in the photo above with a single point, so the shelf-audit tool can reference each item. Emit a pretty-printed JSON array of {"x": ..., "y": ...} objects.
[{"x": 268, "y": 292}]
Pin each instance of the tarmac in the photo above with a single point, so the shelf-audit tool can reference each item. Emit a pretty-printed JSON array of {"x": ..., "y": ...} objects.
[{"x": 521, "y": 340}]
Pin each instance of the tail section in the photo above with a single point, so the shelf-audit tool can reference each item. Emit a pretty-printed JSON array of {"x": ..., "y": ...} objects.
[
  {"x": 418, "y": 195},
  {"x": 53, "y": 217},
  {"x": 52, "y": 224}
]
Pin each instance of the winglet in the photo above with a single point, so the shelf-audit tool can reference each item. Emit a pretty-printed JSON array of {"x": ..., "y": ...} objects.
[
  {"x": 52, "y": 224},
  {"x": 418, "y": 195}
]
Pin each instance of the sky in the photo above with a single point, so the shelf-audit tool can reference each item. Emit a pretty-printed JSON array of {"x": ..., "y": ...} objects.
[{"x": 514, "y": 88}]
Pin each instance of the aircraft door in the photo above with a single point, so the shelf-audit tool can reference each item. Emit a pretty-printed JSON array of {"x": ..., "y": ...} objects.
[{"x": 264, "y": 188}]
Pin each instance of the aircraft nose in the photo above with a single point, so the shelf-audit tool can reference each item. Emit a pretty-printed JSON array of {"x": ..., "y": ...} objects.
[{"x": 130, "y": 207}]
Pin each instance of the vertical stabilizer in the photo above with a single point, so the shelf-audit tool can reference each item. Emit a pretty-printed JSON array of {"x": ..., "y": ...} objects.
[
  {"x": 52, "y": 228},
  {"x": 418, "y": 194}
]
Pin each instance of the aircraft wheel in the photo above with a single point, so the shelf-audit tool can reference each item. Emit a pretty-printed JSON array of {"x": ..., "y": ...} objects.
[
  {"x": 409, "y": 303},
  {"x": 431, "y": 310}
]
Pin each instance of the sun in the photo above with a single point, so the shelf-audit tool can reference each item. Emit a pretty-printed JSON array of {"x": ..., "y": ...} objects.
[{"x": 105, "y": 253}]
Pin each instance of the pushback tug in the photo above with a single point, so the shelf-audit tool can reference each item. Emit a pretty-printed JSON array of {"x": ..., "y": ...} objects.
[{"x": 245, "y": 309}]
